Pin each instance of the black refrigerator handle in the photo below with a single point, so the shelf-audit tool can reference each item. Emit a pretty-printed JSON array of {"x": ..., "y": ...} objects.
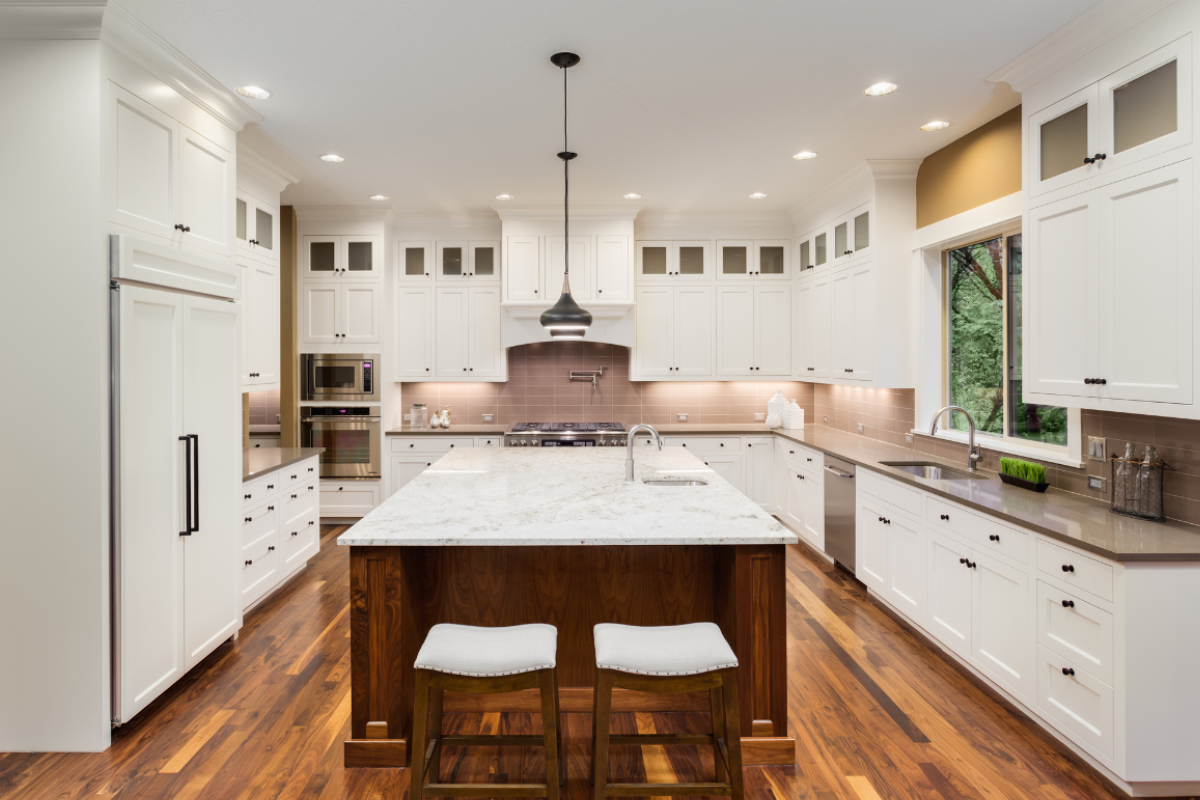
[
  {"x": 187, "y": 485},
  {"x": 195, "y": 493}
]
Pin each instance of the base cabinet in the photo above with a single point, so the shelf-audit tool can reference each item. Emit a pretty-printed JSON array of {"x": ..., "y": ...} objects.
[
  {"x": 280, "y": 527},
  {"x": 349, "y": 499}
]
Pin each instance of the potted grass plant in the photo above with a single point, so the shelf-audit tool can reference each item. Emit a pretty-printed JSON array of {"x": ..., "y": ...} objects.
[{"x": 1016, "y": 472}]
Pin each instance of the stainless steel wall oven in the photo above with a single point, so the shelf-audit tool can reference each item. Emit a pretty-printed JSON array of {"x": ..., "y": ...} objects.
[{"x": 352, "y": 438}]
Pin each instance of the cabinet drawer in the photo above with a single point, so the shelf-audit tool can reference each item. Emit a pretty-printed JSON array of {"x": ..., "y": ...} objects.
[
  {"x": 298, "y": 473},
  {"x": 348, "y": 498},
  {"x": 260, "y": 572},
  {"x": 439, "y": 445},
  {"x": 297, "y": 501},
  {"x": 1075, "y": 630},
  {"x": 299, "y": 542},
  {"x": 705, "y": 445},
  {"x": 488, "y": 441},
  {"x": 903, "y": 498},
  {"x": 1081, "y": 704},
  {"x": 802, "y": 456},
  {"x": 1075, "y": 569},
  {"x": 259, "y": 489},
  {"x": 259, "y": 527},
  {"x": 978, "y": 529}
]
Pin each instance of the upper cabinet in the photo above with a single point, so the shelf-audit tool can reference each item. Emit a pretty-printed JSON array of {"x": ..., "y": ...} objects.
[
  {"x": 256, "y": 228},
  {"x": 342, "y": 257},
  {"x": 676, "y": 261},
  {"x": 611, "y": 267},
  {"x": 165, "y": 179},
  {"x": 1139, "y": 111},
  {"x": 555, "y": 259},
  {"x": 755, "y": 260},
  {"x": 414, "y": 262},
  {"x": 456, "y": 261},
  {"x": 838, "y": 242},
  {"x": 522, "y": 269}
]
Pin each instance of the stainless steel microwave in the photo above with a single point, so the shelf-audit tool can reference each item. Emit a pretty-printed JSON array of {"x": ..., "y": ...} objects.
[{"x": 339, "y": 376}]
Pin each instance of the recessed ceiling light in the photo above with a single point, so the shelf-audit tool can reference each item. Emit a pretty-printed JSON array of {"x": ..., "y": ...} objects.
[
  {"x": 936, "y": 125},
  {"x": 880, "y": 89},
  {"x": 331, "y": 157},
  {"x": 504, "y": 197},
  {"x": 757, "y": 196},
  {"x": 632, "y": 196},
  {"x": 378, "y": 197},
  {"x": 804, "y": 154},
  {"x": 253, "y": 92}
]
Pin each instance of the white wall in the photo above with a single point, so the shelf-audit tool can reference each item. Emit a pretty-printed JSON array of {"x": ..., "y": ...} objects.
[{"x": 54, "y": 670}]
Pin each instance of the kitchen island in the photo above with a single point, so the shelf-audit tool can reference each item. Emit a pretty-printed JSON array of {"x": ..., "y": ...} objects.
[{"x": 511, "y": 536}]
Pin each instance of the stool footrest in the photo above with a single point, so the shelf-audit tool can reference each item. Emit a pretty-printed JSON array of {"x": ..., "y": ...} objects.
[
  {"x": 515, "y": 740},
  {"x": 661, "y": 789},
  {"x": 484, "y": 790},
  {"x": 661, "y": 738}
]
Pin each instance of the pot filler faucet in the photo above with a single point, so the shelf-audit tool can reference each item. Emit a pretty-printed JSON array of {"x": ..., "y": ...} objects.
[
  {"x": 972, "y": 450},
  {"x": 629, "y": 446}
]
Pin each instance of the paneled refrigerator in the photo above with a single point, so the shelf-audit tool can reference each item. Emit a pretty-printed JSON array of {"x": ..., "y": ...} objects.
[{"x": 176, "y": 465}]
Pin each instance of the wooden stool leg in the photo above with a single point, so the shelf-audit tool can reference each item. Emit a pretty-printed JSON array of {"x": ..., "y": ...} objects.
[
  {"x": 717, "y": 703},
  {"x": 550, "y": 732},
  {"x": 595, "y": 717},
  {"x": 733, "y": 732},
  {"x": 604, "y": 682},
  {"x": 435, "y": 710},
  {"x": 562, "y": 754},
  {"x": 420, "y": 725}
]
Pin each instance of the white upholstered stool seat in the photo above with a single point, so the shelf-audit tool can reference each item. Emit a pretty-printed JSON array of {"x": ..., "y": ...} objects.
[
  {"x": 670, "y": 650},
  {"x": 488, "y": 652}
]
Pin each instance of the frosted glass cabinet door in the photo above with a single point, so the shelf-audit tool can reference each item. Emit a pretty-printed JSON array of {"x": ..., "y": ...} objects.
[
  {"x": 771, "y": 260},
  {"x": 1061, "y": 137},
  {"x": 1146, "y": 108},
  {"x": 654, "y": 261},
  {"x": 693, "y": 259},
  {"x": 322, "y": 257},
  {"x": 735, "y": 259},
  {"x": 414, "y": 262},
  {"x": 452, "y": 260},
  {"x": 362, "y": 257},
  {"x": 484, "y": 262}
]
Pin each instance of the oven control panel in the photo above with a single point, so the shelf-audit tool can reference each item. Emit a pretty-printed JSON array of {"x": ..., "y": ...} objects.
[{"x": 368, "y": 377}]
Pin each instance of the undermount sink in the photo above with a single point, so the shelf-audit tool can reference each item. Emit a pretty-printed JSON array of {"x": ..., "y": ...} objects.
[
  {"x": 673, "y": 482},
  {"x": 933, "y": 471}
]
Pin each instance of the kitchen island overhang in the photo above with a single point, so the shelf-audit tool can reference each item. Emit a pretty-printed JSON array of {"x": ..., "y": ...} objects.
[{"x": 505, "y": 537}]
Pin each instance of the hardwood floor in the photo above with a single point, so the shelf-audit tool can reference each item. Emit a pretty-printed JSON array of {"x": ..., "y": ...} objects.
[{"x": 875, "y": 712}]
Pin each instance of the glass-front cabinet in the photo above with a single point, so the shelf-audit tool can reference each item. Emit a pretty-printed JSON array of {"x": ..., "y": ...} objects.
[
  {"x": 851, "y": 236},
  {"x": 347, "y": 257},
  {"x": 677, "y": 260},
  {"x": 1135, "y": 113},
  {"x": 483, "y": 262},
  {"x": 256, "y": 225},
  {"x": 765, "y": 259},
  {"x": 771, "y": 259},
  {"x": 456, "y": 261},
  {"x": 735, "y": 258},
  {"x": 414, "y": 262}
]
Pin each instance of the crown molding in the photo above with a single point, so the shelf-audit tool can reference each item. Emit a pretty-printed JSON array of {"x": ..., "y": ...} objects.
[
  {"x": 577, "y": 212},
  {"x": 21, "y": 19},
  {"x": 366, "y": 213},
  {"x": 1078, "y": 37},
  {"x": 129, "y": 36},
  {"x": 419, "y": 220},
  {"x": 893, "y": 168},
  {"x": 683, "y": 218},
  {"x": 258, "y": 166},
  {"x": 860, "y": 177}
]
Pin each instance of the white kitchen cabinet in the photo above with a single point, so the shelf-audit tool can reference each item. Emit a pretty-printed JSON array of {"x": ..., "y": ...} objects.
[
  {"x": 853, "y": 311},
  {"x": 674, "y": 261},
  {"x": 814, "y": 250},
  {"x": 949, "y": 617},
  {"x": 256, "y": 228},
  {"x": 348, "y": 499},
  {"x": 404, "y": 468},
  {"x": 555, "y": 259},
  {"x": 280, "y": 530},
  {"x": 414, "y": 331},
  {"x": 760, "y": 472},
  {"x": 452, "y": 314},
  {"x": 453, "y": 261},
  {"x": 871, "y": 543},
  {"x": 612, "y": 273},
  {"x": 484, "y": 261},
  {"x": 1002, "y": 628},
  {"x": 754, "y": 330},
  {"x": 1113, "y": 320},
  {"x": 340, "y": 312},
  {"x": 674, "y": 331},
  {"x": 165, "y": 179},
  {"x": 815, "y": 328},
  {"x": 467, "y": 338},
  {"x": 906, "y": 583},
  {"x": 260, "y": 325},
  {"x": 523, "y": 269},
  {"x": 802, "y": 488},
  {"x": 414, "y": 262},
  {"x": 476, "y": 261},
  {"x": 357, "y": 258},
  {"x": 757, "y": 260},
  {"x": 487, "y": 358}
]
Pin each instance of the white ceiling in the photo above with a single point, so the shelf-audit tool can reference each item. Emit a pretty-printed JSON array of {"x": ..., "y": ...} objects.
[{"x": 692, "y": 103}]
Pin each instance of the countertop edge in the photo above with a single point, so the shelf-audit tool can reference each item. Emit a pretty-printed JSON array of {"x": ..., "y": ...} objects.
[
  {"x": 674, "y": 542},
  {"x": 308, "y": 453}
]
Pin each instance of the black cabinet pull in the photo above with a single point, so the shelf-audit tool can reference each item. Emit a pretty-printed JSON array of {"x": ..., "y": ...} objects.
[
  {"x": 270, "y": 508},
  {"x": 684, "y": 444},
  {"x": 270, "y": 486},
  {"x": 1068, "y": 567},
  {"x": 310, "y": 469},
  {"x": 248, "y": 562},
  {"x": 294, "y": 497},
  {"x": 294, "y": 477},
  {"x": 722, "y": 444},
  {"x": 810, "y": 459},
  {"x": 881, "y": 519},
  {"x": 945, "y": 517},
  {"x": 295, "y": 533},
  {"x": 187, "y": 486},
  {"x": 962, "y": 561},
  {"x": 341, "y": 487},
  {"x": 801, "y": 477},
  {"x": 972, "y": 564},
  {"x": 248, "y": 519},
  {"x": 993, "y": 537},
  {"x": 849, "y": 370},
  {"x": 312, "y": 522},
  {"x": 1095, "y": 158},
  {"x": 269, "y": 549},
  {"x": 246, "y": 496},
  {"x": 1068, "y": 603},
  {"x": 1068, "y": 671}
]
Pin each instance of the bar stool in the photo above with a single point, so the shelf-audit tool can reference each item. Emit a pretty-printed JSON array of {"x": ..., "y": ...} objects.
[
  {"x": 677, "y": 658},
  {"x": 463, "y": 658}
]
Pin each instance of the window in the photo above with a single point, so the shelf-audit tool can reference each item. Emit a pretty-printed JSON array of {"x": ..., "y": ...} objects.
[{"x": 983, "y": 340}]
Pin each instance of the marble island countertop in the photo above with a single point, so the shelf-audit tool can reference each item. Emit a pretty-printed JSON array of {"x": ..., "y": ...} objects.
[
  {"x": 570, "y": 496},
  {"x": 261, "y": 460}
]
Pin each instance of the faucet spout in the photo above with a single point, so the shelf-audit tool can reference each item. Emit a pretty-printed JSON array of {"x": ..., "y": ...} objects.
[
  {"x": 629, "y": 445},
  {"x": 973, "y": 455}
]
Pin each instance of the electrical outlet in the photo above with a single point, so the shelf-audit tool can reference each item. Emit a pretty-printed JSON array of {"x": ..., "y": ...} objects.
[
  {"x": 908, "y": 438},
  {"x": 489, "y": 417},
  {"x": 1097, "y": 447},
  {"x": 825, "y": 420},
  {"x": 1096, "y": 482},
  {"x": 860, "y": 427},
  {"x": 760, "y": 417},
  {"x": 681, "y": 417}
]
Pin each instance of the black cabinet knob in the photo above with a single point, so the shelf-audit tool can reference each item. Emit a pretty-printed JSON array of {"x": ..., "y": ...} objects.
[
  {"x": 270, "y": 486},
  {"x": 791, "y": 452},
  {"x": 341, "y": 487},
  {"x": 312, "y": 522},
  {"x": 295, "y": 533},
  {"x": 1068, "y": 567},
  {"x": 293, "y": 497},
  {"x": 270, "y": 508},
  {"x": 1068, "y": 671},
  {"x": 1068, "y": 603},
  {"x": 248, "y": 562},
  {"x": 248, "y": 519},
  {"x": 945, "y": 517},
  {"x": 972, "y": 564},
  {"x": 269, "y": 549},
  {"x": 722, "y": 444},
  {"x": 962, "y": 561},
  {"x": 881, "y": 519},
  {"x": 247, "y": 497},
  {"x": 801, "y": 477},
  {"x": 993, "y": 537}
]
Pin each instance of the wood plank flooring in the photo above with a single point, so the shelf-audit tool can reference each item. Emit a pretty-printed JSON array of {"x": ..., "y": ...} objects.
[{"x": 875, "y": 712}]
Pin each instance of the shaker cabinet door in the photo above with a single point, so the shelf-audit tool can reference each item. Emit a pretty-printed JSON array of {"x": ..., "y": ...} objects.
[
  {"x": 414, "y": 332},
  {"x": 144, "y": 140},
  {"x": 693, "y": 332},
  {"x": 655, "y": 346}
]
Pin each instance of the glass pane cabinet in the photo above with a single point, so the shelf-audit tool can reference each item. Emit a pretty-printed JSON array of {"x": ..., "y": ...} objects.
[
  {"x": 256, "y": 225},
  {"x": 341, "y": 256},
  {"x": 771, "y": 259},
  {"x": 841, "y": 239},
  {"x": 322, "y": 255},
  {"x": 264, "y": 229},
  {"x": 862, "y": 231},
  {"x": 681, "y": 260},
  {"x": 693, "y": 258},
  {"x": 360, "y": 256},
  {"x": 821, "y": 257},
  {"x": 806, "y": 255},
  {"x": 414, "y": 261},
  {"x": 1064, "y": 142},
  {"x": 735, "y": 259},
  {"x": 240, "y": 222},
  {"x": 451, "y": 260},
  {"x": 485, "y": 260}
]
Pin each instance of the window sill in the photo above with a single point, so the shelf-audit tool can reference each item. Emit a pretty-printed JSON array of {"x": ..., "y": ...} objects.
[{"x": 1009, "y": 448}]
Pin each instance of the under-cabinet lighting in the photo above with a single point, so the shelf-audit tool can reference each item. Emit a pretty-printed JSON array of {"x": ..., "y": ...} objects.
[
  {"x": 804, "y": 155},
  {"x": 378, "y": 197},
  {"x": 632, "y": 196},
  {"x": 504, "y": 197},
  {"x": 880, "y": 89},
  {"x": 332, "y": 158},
  {"x": 936, "y": 125},
  {"x": 253, "y": 92},
  {"x": 757, "y": 196}
]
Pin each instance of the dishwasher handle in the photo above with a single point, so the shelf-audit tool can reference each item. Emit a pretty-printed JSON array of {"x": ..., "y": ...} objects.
[{"x": 838, "y": 472}]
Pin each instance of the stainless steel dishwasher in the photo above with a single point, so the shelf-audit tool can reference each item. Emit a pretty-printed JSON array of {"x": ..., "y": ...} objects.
[{"x": 839, "y": 511}]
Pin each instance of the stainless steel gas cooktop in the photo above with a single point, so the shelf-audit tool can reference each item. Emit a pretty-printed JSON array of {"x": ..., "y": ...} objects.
[{"x": 565, "y": 434}]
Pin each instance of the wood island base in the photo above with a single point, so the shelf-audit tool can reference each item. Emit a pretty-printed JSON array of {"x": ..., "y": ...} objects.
[{"x": 398, "y": 593}]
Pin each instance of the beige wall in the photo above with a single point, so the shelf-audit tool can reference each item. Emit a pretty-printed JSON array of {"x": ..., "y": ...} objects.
[
  {"x": 289, "y": 400},
  {"x": 982, "y": 166}
]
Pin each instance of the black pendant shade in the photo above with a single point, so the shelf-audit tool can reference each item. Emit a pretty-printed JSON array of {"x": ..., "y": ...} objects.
[{"x": 566, "y": 320}]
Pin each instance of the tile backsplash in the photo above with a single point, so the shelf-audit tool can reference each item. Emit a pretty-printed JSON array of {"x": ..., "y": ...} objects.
[
  {"x": 538, "y": 391},
  {"x": 264, "y": 407}
]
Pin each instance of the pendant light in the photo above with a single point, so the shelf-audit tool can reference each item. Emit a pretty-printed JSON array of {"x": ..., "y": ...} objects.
[{"x": 566, "y": 320}]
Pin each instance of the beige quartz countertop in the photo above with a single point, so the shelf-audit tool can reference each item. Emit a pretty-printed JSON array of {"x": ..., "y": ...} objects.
[
  {"x": 261, "y": 460},
  {"x": 1071, "y": 518},
  {"x": 491, "y": 429}
]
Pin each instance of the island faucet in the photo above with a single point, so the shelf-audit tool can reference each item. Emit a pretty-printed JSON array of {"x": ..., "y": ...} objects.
[
  {"x": 972, "y": 449},
  {"x": 629, "y": 446}
]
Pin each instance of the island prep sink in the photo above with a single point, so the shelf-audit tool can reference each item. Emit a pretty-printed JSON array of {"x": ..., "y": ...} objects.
[
  {"x": 933, "y": 471},
  {"x": 673, "y": 482}
]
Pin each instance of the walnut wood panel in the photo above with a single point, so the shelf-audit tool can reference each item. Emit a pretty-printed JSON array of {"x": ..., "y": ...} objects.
[{"x": 286, "y": 681}]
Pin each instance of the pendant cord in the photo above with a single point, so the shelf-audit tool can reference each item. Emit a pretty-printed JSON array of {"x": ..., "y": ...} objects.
[{"x": 566, "y": 192}]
